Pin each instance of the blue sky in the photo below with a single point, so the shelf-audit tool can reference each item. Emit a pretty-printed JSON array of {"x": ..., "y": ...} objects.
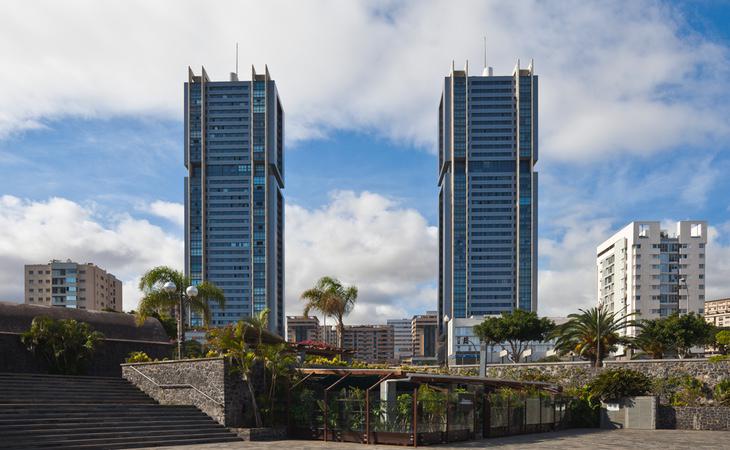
[{"x": 633, "y": 114}]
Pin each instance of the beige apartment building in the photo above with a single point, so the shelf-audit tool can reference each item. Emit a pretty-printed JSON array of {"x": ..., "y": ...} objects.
[
  {"x": 371, "y": 343},
  {"x": 717, "y": 312},
  {"x": 424, "y": 329},
  {"x": 72, "y": 285}
]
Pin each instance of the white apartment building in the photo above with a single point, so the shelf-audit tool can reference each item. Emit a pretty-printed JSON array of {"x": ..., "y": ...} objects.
[
  {"x": 402, "y": 345},
  {"x": 653, "y": 272}
]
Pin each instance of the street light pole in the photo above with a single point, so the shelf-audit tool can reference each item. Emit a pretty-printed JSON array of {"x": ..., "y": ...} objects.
[{"x": 191, "y": 292}]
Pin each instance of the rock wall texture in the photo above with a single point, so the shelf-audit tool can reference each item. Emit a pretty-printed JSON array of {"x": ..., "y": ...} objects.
[
  {"x": 208, "y": 383},
  {"x": 716, "y": 418},
  {"x": 570, "y": 374}
]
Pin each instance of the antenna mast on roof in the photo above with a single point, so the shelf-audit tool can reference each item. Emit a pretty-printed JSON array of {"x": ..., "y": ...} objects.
[
  {"x": 487, "y": 71},
  {"x": 236, "y": 58}
]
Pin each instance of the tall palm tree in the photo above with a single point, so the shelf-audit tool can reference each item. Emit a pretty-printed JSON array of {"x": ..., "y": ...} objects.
[
  {"x": 158, "y": 300},
  {"x": 653, "y": 338},
  {"x": 331, "y": 298},
  {"x": 593, "y": 334}
]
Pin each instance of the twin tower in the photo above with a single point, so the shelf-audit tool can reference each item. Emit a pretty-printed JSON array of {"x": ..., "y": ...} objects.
[{"x": 234, "y": 209}]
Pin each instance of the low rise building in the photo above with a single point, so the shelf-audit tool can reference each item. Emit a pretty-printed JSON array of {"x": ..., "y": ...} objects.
[
  {"x": 72, "y": 285},
  {"x": 370, "y": 343},
  {"x": 402, "y": 338},
  {"x": 717, "y": 312},
  {"x": 424, "y": 332},
  {"x": 303, "y": 328}
]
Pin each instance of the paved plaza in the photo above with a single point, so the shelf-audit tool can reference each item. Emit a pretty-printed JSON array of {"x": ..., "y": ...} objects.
[{"x": 561, "y": 440}]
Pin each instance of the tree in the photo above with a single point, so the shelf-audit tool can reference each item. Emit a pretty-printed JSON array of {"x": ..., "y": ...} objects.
[
  {"x": 722, "y": 340},
  {"x": 158, "y": 300},
  {"x": 331, "y": 298},
  {"x": 615, "y": 384},
  {"x": 653, "y": 338},
  {"x": 687, "y": 331},
  {"x": 516, "y": 328},
  {"x": 593, "y": 334},
  {"x": 260, "y": 322},
  {"x": 65, "y": 345},
  {"x": 230, "y": 342}
]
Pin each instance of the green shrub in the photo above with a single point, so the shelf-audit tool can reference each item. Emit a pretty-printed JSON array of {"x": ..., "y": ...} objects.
[
  {"x": 614, "y": 384},
  {"x": 718, "y": 358},
  {"x": 138, "y": 357},
  {"x": 583, "y": 410},
  {"x": 318, "y": 361},
  {"x": 722, "y": 392},
  {"x": 67, "y": 346},
  {"x": 690, "y": 392}
]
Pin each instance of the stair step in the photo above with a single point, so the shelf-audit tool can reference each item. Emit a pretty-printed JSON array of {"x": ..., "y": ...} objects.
[
  {"x": 142, "y": 424},
  {"x": 128, "y": 442},
  {"x": 17, "y": 439},
  {"x": 91, "y": 418},
  {"x": 57, "y": 377}
]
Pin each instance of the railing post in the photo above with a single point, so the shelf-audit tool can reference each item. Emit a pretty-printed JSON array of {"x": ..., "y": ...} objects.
[
  {"x": 415, "y": 417},
  {"x": 324, "y": 417},
  {"x": 367, "y": 416}
]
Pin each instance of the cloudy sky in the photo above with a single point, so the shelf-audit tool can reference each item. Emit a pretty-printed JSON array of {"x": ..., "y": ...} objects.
[{"x": 634, "y": 107}]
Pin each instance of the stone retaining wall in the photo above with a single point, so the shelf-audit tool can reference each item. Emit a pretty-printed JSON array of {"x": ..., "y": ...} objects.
[
  {"x": 219, "y": 393},
  {"x": 576, "y": 374},
  {"x": 716, "y": 418}
]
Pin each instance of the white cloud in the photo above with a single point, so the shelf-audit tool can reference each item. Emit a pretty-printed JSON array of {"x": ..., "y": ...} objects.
[
  {"x": 171, "y": 211},
  {"x": 38, "y": 231},
  {"x": 615, "y": 78},
  {"x": 388, "y": 251}
]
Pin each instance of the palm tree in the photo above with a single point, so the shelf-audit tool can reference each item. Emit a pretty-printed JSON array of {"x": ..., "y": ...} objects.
[
  {"x": 593, "y": 334},
  {"x": 260, "y": 322},
  {"x": 652, "y": 338},
  {"x": 331, "y": 298},
  {"x": 158, "y": 300}
]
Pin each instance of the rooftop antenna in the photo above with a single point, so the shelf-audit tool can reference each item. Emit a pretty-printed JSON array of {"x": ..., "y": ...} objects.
[
  {"x": 236, "y": 58},
  {"x": 487, "y": 71}
]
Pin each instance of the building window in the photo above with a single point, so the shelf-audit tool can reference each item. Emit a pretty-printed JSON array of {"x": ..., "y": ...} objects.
[
  {"x": 695, "y": 230},
  {"x": 643, "y": 230}
]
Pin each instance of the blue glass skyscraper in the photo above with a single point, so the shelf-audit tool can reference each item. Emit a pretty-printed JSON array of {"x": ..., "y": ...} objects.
[
  {"x": 487, "y": 193},
  {"x": 234, "y": 209}
]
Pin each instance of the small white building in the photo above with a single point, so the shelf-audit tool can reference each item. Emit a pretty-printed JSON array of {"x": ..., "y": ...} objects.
[
  {"x": 649, "y": 271},
  {"x": 464, "y": 345}
]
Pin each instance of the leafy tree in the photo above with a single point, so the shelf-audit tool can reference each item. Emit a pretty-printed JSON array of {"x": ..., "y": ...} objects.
[
  {"x": 687, "y": 331},
  {"x": 654, "y": 338},
  {"x": 279, "y": 361},
  {"x": 592, "y": 328},
  {"x": 230, "y": 342},
  {"x": 331, "y": 298},
  {"x": 157, "y": 300},
  {"x": 138, "y": 357},
  {"x": 65, "y": 345},
  {"x": 614, "y": 384},
  {"x": 722, "y": 392},
  {"x": 722, "y": 340},
  {"x": 516, "y": 328}
]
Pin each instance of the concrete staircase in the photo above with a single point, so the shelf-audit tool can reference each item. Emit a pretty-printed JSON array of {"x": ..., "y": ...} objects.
[{"x": 63, "y": 412}]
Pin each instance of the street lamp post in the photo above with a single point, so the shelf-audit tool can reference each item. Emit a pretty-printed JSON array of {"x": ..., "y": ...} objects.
[{"x": 190, "y": 292}]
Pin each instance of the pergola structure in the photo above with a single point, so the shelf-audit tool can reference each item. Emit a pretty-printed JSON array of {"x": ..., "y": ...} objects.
[{"x": 392, "y": 406}]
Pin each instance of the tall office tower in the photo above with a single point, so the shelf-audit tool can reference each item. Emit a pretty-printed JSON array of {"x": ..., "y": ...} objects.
[
  {"x": 646, "y": 270},
  {"x": 487, "y": 194},
  {"x": 234, "y": 209},
  {"x": 72, "y": 285}
]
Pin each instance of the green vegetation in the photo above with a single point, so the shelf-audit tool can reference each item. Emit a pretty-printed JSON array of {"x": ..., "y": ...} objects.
[
  {"x": 675, "y": 334},
  {"x": 138, "y": 357},
  {"x": 516, "y": 328},
  {"x": 722, "y": 392},
  {"x": 722, "y": 341},
  {"x": 614, "y": 384},
  {"x": 66, "y": 346},
  {"x": 331, "y": 298},
  {"x": 592, "y": 334}
]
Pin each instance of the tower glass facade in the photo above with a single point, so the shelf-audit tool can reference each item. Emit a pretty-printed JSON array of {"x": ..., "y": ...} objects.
[
  {"x": 487, "y": 194},
  {"x": 234, "y": 209}
]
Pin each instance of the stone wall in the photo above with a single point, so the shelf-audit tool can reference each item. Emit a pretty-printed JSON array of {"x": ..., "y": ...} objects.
[
  {"x": 716, "y": 418},
  {"x": 206, "y": 383},
  {"x": 14, "y": 357},
  {"x": 570, "y": 374}
]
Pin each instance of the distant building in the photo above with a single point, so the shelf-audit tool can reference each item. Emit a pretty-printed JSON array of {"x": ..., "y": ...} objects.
[
  {"x": 234, "y": 207},
  {"x": 717, "y": 312},
  {"x": 302, "y": 328},
  {"x": 649, "y": 271},
  {"x": 424, "y": 332},
  {"x": 328, "y": 334},
  {"x": 72, "y": 285},
  {"x": 466, "y": 345},
  {"x": 402, "y": 338},
  {"x": 371, "y": 343}
]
